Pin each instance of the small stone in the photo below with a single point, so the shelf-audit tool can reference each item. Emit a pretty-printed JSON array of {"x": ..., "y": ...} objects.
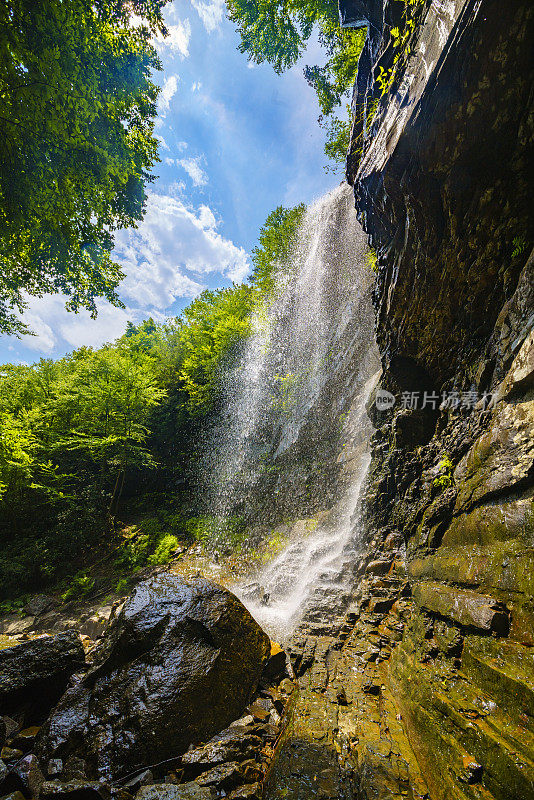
[
  {"x": 224, "y": 776},
  {"x": 10, "y": 754},
  {"x": 11, "y": 727},
  {"x": 3, "y": 772},
  {"x": 251, "y": 771},
  {"x": 168, "y": 791},
  {"x": 54, "y": 767},
  {"x": 30, "y": 775},
  {"x": 145, "y": 778},
  {"x": 286, "y": 686},
  {"x": 74, "y": 769},
  {"x": 248, "y": 719},
  {"x": 38, "y": 605},
  {"x": 250, "y": 792},
  {"x": 14, "y": 796},
  {"x": 274, "y": 717},
  {"x": 25, "y": 738},
  {"x": 258, "y": 712},
  {"x": 75, "y": 790}
]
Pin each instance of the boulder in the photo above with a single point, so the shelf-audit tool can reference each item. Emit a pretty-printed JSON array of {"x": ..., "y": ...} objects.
[
  {"x": 470, "y": 610},
  {"x": 179, "y": 664},
  {"x": 38, "y": 604},
  {"x": 35, "y": 674}
]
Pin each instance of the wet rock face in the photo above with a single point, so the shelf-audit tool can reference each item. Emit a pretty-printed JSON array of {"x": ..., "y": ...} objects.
[
  {"x": 441, "y": 175},
  {"x": 179, "y": 665},
  {"x": 440, "y": 160},
  {"x": 33, "y": 675}
]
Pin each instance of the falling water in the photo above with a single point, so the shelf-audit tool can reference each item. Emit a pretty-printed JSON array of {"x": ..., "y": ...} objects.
[{"x": 301, "y": 386}]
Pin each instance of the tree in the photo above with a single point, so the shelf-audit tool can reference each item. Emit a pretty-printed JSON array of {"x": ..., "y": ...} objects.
[
  {"x": 212, "y": 326},
  {"x": 337, "y": 140},
  {"x": 278, "y": 32},
  {"x": 275, "y": 243},
  {"x": 77, "y": 109}
]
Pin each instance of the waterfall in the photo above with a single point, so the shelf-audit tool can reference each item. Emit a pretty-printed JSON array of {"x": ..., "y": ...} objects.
[{"x": 294, "y": 415}]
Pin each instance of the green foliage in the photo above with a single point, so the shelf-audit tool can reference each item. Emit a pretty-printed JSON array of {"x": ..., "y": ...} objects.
[
  {"x": 278, "y": 32},
  {"x": 520, "y": 245},
  {"x": 122, "y": 586},
  {"x": 276, "y": 242},
  {"x": 80, "y": 586},
  {"x": 164, "y": 551},
  {"x": 337, "y": 139},
  {"x": 444, "y": 480},
  {"x": 133, "y": 554},
  {"x": 212, "y": 328},
  {"x": 100, "y": 435},
  {"x": 77, "y": 118},
  {"x": 372, "y": 259},
  {"x": 201, "y": 529}
]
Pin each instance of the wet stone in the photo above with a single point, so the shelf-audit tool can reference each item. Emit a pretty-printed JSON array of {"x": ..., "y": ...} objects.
[
  {"x": 223, "y": 776},
  {"x": 168, "y": 791},
  {"x": 54, "y": 767},
  {"x": 75, "y": 790},
  {"x": 10, "y": 754},
  {"x": 251, "y": 791},
  {"x": 184, "y": 650}
]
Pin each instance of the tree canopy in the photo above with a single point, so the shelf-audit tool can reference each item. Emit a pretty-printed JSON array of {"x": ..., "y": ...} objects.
[
  {"x": 77, "y": 108},
  {"x": 278, "y": 32},
  {"x": 91, "y": 436}
]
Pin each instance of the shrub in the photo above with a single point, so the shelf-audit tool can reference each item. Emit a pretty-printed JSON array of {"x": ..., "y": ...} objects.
[
  {"x": 164, "y": 551},
  {"x": 80, "y": 586},
  {"x": 444, "y": 480}
]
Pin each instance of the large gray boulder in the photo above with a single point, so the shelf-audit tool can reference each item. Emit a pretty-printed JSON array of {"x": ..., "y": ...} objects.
[
  {"x": 180, "y": 663},
  {"x": 34, "y": 674}
]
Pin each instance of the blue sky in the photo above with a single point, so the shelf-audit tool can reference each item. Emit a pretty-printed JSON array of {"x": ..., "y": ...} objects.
[{"x": 236, "y": 141}]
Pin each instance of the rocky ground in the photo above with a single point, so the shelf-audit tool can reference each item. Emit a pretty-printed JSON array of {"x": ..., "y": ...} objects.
[{"x": 183, "y": 696}]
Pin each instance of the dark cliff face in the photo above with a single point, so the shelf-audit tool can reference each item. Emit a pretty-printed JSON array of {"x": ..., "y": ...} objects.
[
  {"x": 443, "y": 183},
  {"x": 441, "y": 163}
]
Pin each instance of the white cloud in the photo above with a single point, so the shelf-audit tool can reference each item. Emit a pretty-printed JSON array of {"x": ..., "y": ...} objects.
[
  {"x": 173, "y": 239},
  {"x": 162, "y": 142},
  {"x": 169, "y": 89},
  {"x": 178, "y": 38},
  {"x": 194, "y": 170},
  {"x": 51, "y": 323},
  {"x": 211, "y": 14}
]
